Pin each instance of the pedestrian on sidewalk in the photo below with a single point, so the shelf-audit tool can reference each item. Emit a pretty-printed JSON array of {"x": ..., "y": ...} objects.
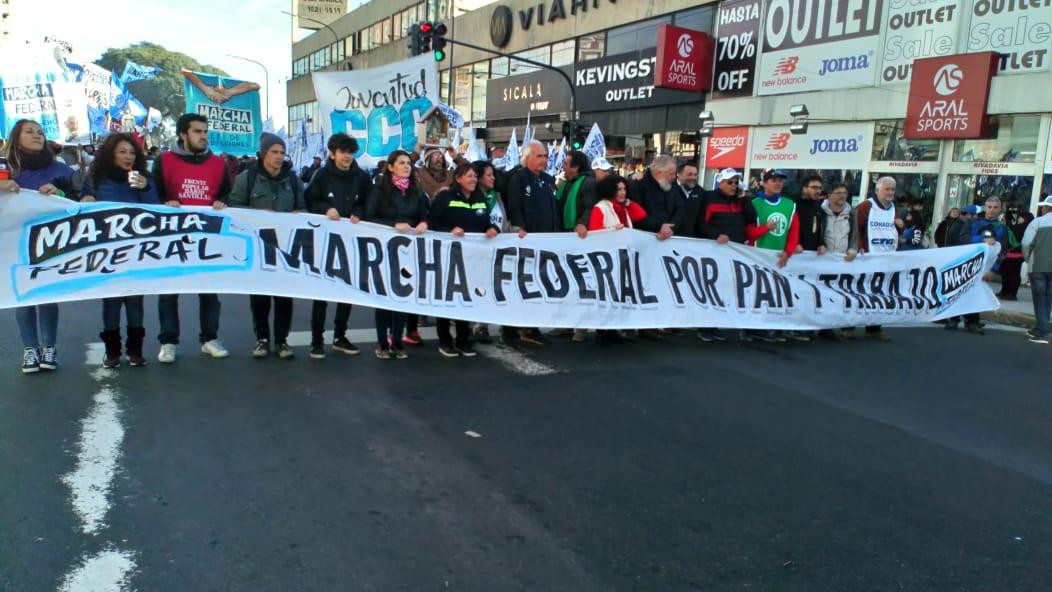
[
  {"x": 271, "y": 185},
  {"x": 119, "y": 174},
  {"x": 338, "y": 190},
  {"x": 1037, "y": 248}
]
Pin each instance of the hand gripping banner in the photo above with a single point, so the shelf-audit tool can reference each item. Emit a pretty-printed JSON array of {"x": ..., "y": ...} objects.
[{"x": 56, "y": 250}]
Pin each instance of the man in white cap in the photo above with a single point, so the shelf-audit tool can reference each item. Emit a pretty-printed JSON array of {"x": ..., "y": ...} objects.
[
  {"x": 723, "y": 216},
  {"x": 602, "y": 168},
  {"x": 1037, "y": 248}
]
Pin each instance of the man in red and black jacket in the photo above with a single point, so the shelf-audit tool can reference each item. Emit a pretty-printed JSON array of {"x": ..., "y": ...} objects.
[
  {"x": 190, "y": 175},
  {"x": 723, "y": 217}
]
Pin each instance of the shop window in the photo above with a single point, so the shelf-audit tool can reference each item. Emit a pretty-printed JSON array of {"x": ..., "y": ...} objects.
[
  {"x": 386, "y": 31},
  {"x": 478, "y": 92},
  {"x": 890, "y": 144},
  {"x": 697, "y": 19},
  {"x": 376, "y": 34},
  {"x": 462, "y": 90},
  {"x": 591, "y": 47},
  {"x": 1014, "y": 139},
  {"x": 562, "y": 53},
  {"x": 364, "y": 41},
  {"x": 1014, "y": 191},
  {"x": 537, "y": 54},
  {"x": 500, "y": 67},
  {"x": 348, "y": 46},
  {"x": 443, "y": 86},
  {"x": 634, "y": 37}
]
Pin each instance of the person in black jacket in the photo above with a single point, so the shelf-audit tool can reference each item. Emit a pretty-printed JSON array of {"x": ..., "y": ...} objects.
[
  {"x": 531, "y": 208},
  {"x": 689, "y": 194},
  {"x": 460, "y": 209},
  {"x": 809, "y": 212},
  {"x": 337, "y": 190},
  {"x": 654, "y": 192},
  {"x": 396, "y": 201}
]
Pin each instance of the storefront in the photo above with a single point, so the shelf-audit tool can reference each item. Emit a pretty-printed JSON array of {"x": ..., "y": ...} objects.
[{"x": 838, "y": 152}]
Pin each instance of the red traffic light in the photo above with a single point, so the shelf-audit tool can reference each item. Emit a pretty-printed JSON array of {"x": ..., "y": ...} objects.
[
  {"x": 426, "y": 28},
  {"x": 441, "y": 30}
]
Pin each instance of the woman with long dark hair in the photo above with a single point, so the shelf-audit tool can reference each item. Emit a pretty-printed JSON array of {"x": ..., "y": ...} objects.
[
  {"x": 33, "y": 165},
  {"x": 613, "y": 211},
  {"x": 460, "y": 209},
  {"x": 119, "y": 174},
  {"x": 498, "y": 215},
  {"x": 395, "y": 201}
]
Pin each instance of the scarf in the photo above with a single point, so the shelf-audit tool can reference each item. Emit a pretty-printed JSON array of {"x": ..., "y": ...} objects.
[
  {"x": 34, "y": 161},
  {"x": 400, "y": 183},
  {"x": 570, "y": 205},
  {"x": 491, "y": 199}
]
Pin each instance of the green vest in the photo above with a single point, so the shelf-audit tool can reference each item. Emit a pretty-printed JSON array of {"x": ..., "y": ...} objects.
[{"x": 783, "y": 212}]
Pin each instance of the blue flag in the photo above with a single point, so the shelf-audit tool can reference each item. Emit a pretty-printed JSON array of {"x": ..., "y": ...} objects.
[{"x": 133, "y": 72}]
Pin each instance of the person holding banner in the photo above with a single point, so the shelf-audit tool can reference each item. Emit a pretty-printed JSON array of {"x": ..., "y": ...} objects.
[
  {"x": 487, "y": 182},
  {"x": 119, "y": 174},
  {"x": 531, "y": 208},
  {"x": 271, "y": 186},
  {"x": 459, "y": 210},
  {"x": 878, "y": 224},
  {"x": 396, "y": 201},
  {"x": 613, "y": 211},
  {"x": 190, "y": 175},
  {"x": 576, "y": 195},
  {"x": 338, "y": 190},
  {"x": 775, "y": 228},
  {"x": 31, "y": 164}
]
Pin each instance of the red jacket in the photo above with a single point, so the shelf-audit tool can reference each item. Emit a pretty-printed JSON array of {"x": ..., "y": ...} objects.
[{"x": 627, "y": 212}]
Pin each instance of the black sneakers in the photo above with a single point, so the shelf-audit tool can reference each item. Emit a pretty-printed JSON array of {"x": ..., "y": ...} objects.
[
  {"x": 262, "y": 349},
  {"x": 30, "y": 361},
  {"x": 317, "y": 351},
  {"x": 341, "y": 345}
]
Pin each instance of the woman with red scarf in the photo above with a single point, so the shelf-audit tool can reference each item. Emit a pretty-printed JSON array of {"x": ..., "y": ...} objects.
[{"x": 613, "y": 211}]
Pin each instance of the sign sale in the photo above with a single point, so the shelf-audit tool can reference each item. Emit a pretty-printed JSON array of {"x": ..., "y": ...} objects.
[{"x": 55, "y": 251}]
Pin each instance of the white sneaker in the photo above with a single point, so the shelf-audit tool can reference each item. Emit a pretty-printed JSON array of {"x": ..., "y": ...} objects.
[
  {"x": 167, "y": 353},
  {"x": 214, "y": 349}
]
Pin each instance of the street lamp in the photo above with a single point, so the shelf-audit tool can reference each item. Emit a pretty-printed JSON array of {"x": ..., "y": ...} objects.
[
  {"x": 266, "y": 76},
  {"x": 335, "y": 37},
  {"x": 707, "y": 124},
  {"x": 799, "y": 113}
]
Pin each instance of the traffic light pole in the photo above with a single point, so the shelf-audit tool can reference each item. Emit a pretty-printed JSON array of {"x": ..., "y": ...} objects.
[{"x": 566, "y": 77}]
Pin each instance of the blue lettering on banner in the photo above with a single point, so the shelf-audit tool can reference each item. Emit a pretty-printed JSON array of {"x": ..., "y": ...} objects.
[
  {"x": 386, "y": 128},
  {"x": 835, "y": 145},
  {"x": 845, "y": 64}
]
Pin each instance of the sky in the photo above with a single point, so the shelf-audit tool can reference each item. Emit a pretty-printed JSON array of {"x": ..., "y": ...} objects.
[{"x": 206, "y": 30}]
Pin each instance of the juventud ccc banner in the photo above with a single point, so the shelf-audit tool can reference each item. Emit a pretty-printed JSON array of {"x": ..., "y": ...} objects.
[{"x": 54, "y": 250}]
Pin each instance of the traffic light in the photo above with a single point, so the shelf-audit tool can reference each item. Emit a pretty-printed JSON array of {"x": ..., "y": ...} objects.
[
  {"x": 426, "y": 30},
  {"x": 567, "y": 130},
  {"x": 438, "y": 41},
  {"x": 416, "y": 40},
  {"x": 580, "y": 134}
]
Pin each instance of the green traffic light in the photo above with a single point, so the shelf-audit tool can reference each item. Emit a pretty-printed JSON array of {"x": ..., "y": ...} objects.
[
  {"x": 576, "y": 145},
  {"x": 440, "y": 55}
]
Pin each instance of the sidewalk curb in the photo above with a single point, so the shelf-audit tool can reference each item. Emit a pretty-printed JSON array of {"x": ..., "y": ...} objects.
[{"x": 1007, "y": 317}]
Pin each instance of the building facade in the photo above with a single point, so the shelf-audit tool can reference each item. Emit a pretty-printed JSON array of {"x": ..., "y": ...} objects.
[{"x": 848, "y": 61}]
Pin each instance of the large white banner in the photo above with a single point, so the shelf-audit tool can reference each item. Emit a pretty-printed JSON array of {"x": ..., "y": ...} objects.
[
  {"x": 380, "y": 106},
  {"x": 1020, "y": 32},
  {"x": 54, "y": 250}
]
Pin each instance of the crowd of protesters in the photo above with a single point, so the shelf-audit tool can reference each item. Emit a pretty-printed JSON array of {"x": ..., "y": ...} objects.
[{"x": 436, "y": 189}]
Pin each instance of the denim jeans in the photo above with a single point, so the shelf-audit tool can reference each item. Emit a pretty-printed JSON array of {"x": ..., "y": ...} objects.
[
  {"x": 27, "y": 317},
  {"x": 1040, "y": 284},
  {"x": 111, "y": 312},
  {"x": 168, "y": 311}
]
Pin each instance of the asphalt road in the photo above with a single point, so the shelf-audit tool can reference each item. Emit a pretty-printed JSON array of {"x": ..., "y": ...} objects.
[{"x": 920, "y": 464}]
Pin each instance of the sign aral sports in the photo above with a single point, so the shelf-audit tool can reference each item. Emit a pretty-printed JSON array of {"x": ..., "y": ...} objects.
[
  {"x": 684, "y": 59},
  {"x": 948, "y": 96}
]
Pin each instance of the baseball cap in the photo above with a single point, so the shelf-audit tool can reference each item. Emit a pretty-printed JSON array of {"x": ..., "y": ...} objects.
[
  {"x": 772, "y": 173},
  {"x": 1045, "y": 203},
  {"x": 972, "y": 209},
  {"x": 602, "y": 164},
  {"x": 727, "y": 174}
]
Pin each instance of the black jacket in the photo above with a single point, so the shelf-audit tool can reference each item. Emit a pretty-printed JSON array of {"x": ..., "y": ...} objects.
[
  {"x": 585, "y": 200},
  {"x": 344, "y": 190},
  {"x": 662, "y": 207},
  {"x": 409, "y": 207},
  {"x": 451, "y": 209},
  {"x": 725, "y": 215},
  {"x": 531, "y": 202},
  {"x": 691, "y": 203},
  {"x": 809, "y": 213}
]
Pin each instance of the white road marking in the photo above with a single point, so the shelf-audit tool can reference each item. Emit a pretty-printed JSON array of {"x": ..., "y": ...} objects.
[
  {"x": 98, "y": 451},
  {"x": 107, "y": 571},
  {"x": 472, "y": 434},
  {"x": 515, "y": 360}
]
